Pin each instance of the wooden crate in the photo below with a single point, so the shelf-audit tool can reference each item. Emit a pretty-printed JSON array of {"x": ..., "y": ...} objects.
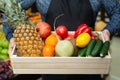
[{"x": 60, "y": 65}]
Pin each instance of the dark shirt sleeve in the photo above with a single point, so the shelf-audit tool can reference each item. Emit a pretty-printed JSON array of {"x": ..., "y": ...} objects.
[
  {"x": 112, "y": 8},
  {"x": 26, "y": 3},
  {"x": 7, "y": 29}
]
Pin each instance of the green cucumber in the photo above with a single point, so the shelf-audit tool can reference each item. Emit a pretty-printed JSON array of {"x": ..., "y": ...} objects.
[
  {"x": 104, "y": 49},
  {"x": 82, "y": 52},
  {"x": 97, "y": 48},
  {"x": 90, "y": 47}
]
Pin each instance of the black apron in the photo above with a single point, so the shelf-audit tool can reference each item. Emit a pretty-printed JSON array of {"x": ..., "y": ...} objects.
[{"x": 74, "y": 12}]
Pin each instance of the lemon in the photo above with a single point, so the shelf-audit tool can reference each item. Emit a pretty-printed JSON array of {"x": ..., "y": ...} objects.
[{"x": 82, "y": 40}]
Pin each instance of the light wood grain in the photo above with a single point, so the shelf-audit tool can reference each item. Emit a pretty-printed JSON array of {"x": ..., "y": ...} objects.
[{"x": 60, "y": 65}]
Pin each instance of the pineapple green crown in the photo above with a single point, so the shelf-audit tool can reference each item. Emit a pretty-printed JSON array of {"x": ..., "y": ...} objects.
[{"x": 13, "y": 11}]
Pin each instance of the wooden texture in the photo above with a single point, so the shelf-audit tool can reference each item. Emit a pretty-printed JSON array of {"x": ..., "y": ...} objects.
[{"x": 60, "y": 65}]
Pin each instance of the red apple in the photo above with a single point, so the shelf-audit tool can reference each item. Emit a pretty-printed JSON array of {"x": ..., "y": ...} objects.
[
  {"x": 62, "y": 31},
  {"x": 44, "y": 29}
]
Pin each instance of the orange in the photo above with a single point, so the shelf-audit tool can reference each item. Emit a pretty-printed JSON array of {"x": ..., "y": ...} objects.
[
  {"x": 48, "y": 51},
  {"x": 51, "y": 40}
]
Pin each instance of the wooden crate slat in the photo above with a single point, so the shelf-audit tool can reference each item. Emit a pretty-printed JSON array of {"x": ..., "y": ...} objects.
[{"x": 61, "y": 71}]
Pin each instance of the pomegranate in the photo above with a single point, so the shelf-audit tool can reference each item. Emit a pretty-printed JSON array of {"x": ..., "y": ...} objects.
[{"x": 44, "y": 29}]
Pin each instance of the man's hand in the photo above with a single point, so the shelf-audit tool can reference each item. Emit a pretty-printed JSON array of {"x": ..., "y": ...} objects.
[
  {"x": 106, "y": 35},
  {"x": 11, "y": 45}
]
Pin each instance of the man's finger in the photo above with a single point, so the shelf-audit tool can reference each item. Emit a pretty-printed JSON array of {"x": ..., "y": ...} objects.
[
  {"x": 11, "y": 45},
  {"x": 105, "y": 35}
]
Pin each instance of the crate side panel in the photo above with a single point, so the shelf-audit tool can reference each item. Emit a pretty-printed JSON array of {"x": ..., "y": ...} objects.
[
  {"x": 62, "y": 59},
  {"x": 59, "y": 65},
  {"x": 61, "y": 71}
]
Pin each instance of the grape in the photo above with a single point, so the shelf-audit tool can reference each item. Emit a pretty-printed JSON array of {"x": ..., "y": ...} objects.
[{"x": 5, "y": 71}]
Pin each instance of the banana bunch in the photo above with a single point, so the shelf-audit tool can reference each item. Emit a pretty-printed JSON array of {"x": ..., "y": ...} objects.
[{"x": 2, "y": 36}]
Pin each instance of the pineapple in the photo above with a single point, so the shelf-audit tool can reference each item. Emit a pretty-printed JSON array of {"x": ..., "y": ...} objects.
[{"x": 28, "y": 41}]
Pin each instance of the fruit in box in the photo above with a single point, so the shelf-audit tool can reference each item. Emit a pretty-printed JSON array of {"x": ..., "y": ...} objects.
[
  {"x": 50, "y": 44},
  {"x": 44, "y": 29},
  {"x": 82, "y": 40},
  {"x": 69, "y": 37},
  {"x": 48, "y": 51},
  {"x": 28, "y": 41},
  {"x": 64, "y": 48},
  {"x": 51, "y": 40},
  {"x": 62, "y": 31}
]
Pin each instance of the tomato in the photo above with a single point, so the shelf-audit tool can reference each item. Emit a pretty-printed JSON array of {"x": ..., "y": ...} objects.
[
  {"x": 70, "y": 36},
  {"x": 44, "y": 29},
  {"x": 62, "y": 31},
  {"x": 95, "y": 36},
  {"x": 92, "y": 36}
]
